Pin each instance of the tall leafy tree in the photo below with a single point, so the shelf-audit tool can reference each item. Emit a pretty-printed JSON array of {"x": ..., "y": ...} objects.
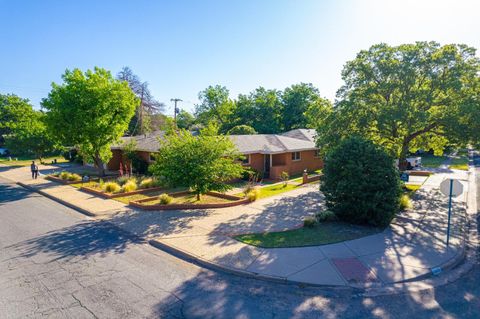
[
  {"x": 406, "y": 97},
  {"x": 215, "y": 105},
  {"x": 204, "y": 163},
  {"x": 185, "y": 120},
  {"x": 267, "y": 110},
  {"x": 242, "y": 130},
  {"x": 91, "y": 111},
  {"x": 23, "y": 128},
  {"x": 296, "y": 100},
  {"x": 144, "y": 119}
]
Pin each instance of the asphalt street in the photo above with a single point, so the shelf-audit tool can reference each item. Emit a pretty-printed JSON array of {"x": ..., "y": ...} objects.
[{"x": 57, "y": 263}]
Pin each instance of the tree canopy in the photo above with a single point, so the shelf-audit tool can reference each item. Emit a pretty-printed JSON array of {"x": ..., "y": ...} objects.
[
  {"x": 203, "y": 163},
  {"x": 242, "y": 130},
  {"x": 265, "y": 110},
  {"x": 406, "y": 97},
  {"x": 91, "y": 111},
  {"x": 23, "y": 128}
]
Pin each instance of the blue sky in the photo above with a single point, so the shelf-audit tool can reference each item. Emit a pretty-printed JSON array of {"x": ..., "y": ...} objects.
[{"x": 181, "y": 47}]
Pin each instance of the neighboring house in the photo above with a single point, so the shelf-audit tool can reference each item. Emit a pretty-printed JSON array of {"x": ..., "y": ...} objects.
[
  {"x": 271, "y": 154},
  {"x": 293, "y": 152}
]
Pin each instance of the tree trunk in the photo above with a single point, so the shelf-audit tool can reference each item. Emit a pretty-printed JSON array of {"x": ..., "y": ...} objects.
[
  {"x": 402, "y": 159},
  {"x": 99, "y": 164},
  {"x": 198, "y": 196}
]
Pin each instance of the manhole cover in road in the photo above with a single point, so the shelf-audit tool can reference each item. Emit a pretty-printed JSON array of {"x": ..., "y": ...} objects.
[{"x": 353, "y": 270}]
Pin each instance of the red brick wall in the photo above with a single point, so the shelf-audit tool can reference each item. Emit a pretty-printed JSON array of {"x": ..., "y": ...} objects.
[
  {"x": 114, "y": 163},
  {"x": 256, "y": 162},
  {"x": 307, "y": 161}
]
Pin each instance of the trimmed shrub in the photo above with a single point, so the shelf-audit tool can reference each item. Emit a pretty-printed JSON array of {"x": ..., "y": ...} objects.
[
  {"x": 165, "y": 199},
  {"x": 326, "y": 216},
  {"x": 129, "y": 186},
  {"x": 149, "y": 183},
  {"x": 405, "y": 202},
  {"x": 360, "y": 183},
  {"x": 309, "y": 222},
  {"x": 122, "y": 180},
  {"x": 64, "y": 175},
  {"x": 253, "y": 194},
  {"x": 74, "y": 177},
  {"x": 112, "y": 187}
]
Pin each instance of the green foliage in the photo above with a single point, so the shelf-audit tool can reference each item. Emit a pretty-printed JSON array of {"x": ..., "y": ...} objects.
[
  {"x": 215, "y": 105},
  {"x": 360, "y": 183},
  {"x": 405, "y": 202},
  {"x": 90, "y": 110},
  {"x": 74, "y": 177},
  {"x": 165, "y": 199},
  {"x": 203, "y": 163},
  {"x": 149, "y": 183},
  {"x": 309, "y": 222},
  {"x": 242, "y": 130},
  {"x": 111, "y": 187},
  {"x": 297, "y": 100},
  {"x": 23, "y": 128},
  {"x": 407, "y": 97},
  {"x": 139, "y": 165},
  {"x": 326, "y": 216},
  {"x": 64, "y": 175},
  {"x": 253, "y": 194},
  {"x": 130, "y": 186},
  {"x": 185, "y": 120}
]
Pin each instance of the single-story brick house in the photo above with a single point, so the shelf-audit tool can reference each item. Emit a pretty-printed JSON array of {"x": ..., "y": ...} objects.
[{"x": 292, "y": 151}]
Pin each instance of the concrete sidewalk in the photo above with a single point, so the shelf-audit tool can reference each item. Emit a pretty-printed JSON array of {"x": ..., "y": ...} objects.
[
  {"x": 413, "y": 246},
  {"x": 410, "y": 248},
  {"x": 67, "y": 195}
]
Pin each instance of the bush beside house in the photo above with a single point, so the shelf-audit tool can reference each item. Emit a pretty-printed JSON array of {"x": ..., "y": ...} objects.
[{"x": 360, "y": 183}]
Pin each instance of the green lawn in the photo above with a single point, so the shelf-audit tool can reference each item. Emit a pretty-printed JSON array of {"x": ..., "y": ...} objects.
[
  {"x": 320, "y": 234},
  {"x": 433, "y": 161},
  {"x": 458, "y": 162},
  {"x": 272, "y": 190},
  {"x": 191, "y": 199},
  {"x": 26, "y": 160}
]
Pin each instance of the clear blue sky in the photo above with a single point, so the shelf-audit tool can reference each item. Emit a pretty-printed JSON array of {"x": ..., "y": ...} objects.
[{"x": 181, "y": 47}]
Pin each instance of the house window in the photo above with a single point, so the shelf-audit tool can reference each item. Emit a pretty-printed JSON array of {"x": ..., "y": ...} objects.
[
  {"x": 296, "y": 156},
  {"x": 246, "y": 160},
  {"x": 152, "y": 157},
  {"x": 317, "y": 153}
]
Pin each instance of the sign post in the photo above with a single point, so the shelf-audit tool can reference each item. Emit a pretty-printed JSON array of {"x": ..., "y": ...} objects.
[{"x": 451, "y": 188}]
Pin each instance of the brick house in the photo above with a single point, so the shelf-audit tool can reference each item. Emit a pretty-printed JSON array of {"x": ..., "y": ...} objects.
[
  {"x": 293, "y": 152},
  {"x": 271, "y": 154}
]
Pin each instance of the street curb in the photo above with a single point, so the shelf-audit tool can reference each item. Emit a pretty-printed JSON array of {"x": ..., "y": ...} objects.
[{"x": 58, "y": 200}]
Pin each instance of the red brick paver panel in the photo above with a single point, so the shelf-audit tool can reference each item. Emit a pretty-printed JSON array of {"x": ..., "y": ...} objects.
[{"x": 353, "y": 270}]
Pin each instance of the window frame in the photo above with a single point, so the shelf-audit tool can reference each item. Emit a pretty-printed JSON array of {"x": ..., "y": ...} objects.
[
  {"x": 246, "y": 161},
  {"x": 316, "y": 154},
  {"x": 295, "y": 158}
]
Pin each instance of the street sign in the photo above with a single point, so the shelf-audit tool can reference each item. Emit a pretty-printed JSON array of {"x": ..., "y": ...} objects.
[
  {"x": 457, "y": 187},
  {"x": 451, "y": 188}
]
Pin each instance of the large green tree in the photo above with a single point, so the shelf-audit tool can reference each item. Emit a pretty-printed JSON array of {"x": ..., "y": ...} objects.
[
  {"x": 204, "y": 163},
  {"x": 406, "y": 97},
  {"x": 298, "y": 101},
  {"x": 22, "y": 127},
  {"x": 91, "y": 111},
  {"x": 215, "y": 105}
]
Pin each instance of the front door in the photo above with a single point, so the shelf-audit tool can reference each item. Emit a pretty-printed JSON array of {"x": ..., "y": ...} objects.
[{"x": 266, "y": 171}]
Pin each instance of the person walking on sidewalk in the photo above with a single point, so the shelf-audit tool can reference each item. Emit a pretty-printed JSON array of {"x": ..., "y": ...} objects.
[{"x": 34, "y": 169}]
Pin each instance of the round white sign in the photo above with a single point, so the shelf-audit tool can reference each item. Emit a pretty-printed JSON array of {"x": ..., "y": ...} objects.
[{"x": 457, "y": 187}]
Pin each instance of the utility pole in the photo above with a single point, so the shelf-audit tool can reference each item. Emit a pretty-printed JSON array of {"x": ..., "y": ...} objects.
[{"x": 175, "y": 110}]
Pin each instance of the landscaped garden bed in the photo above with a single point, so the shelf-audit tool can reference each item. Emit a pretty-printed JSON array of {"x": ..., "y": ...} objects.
[
  {"x": 65, "y": 177},
  {"x": 188, "y": 200},
  {"x": 121, "y": 186}
]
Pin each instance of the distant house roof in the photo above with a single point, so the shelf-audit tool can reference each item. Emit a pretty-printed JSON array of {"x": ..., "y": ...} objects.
[
  {"x": 146, "y": 143},
  {"x": 291, "y": 141}
]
